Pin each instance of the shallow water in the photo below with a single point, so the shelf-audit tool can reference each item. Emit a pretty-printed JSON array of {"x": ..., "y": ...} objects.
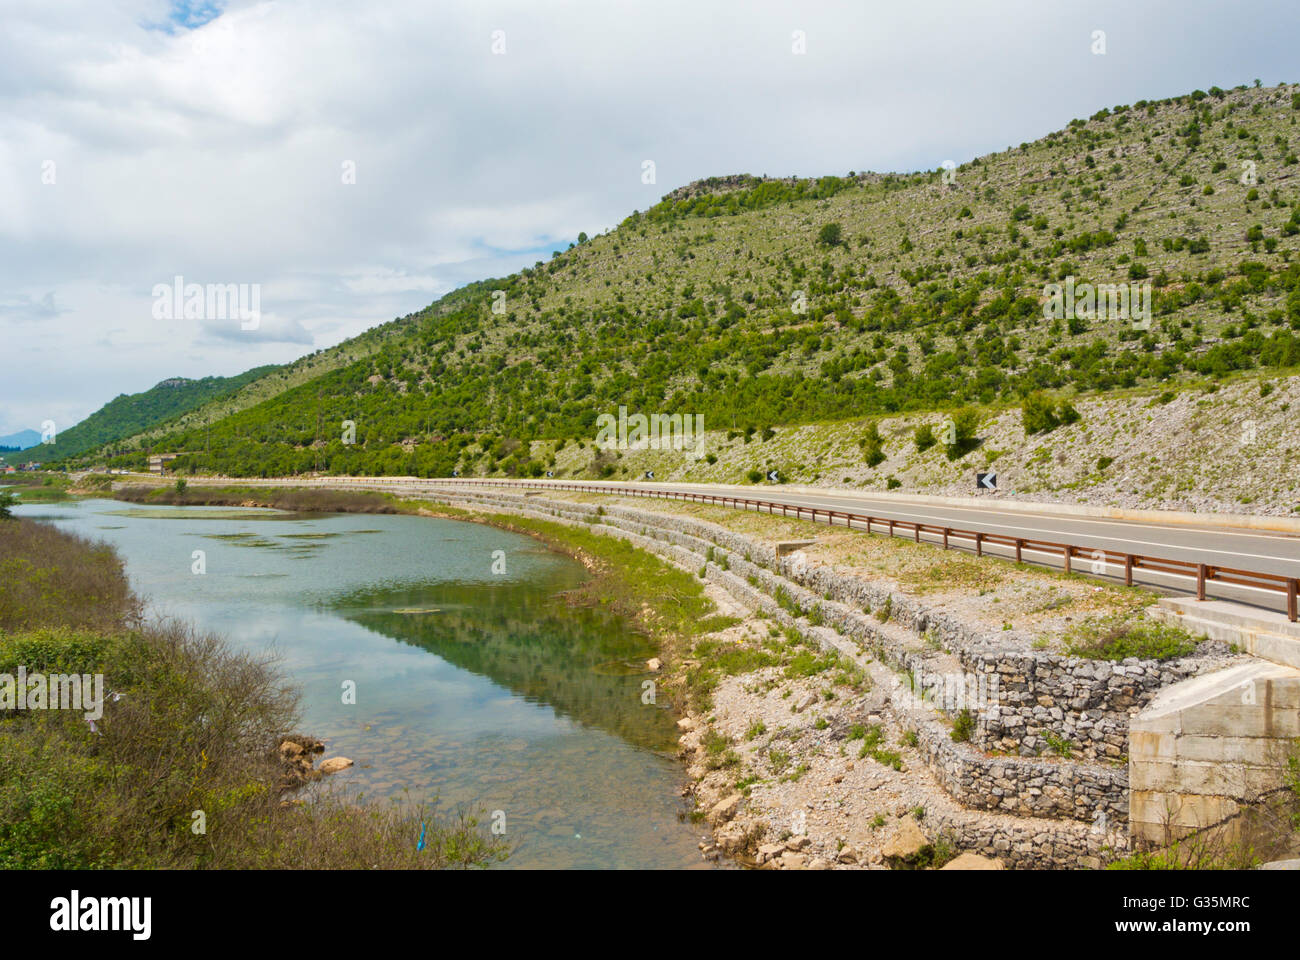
[{"x": 472, "y": 687}]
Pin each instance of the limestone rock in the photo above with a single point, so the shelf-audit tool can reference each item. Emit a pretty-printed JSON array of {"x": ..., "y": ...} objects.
[
  {"x": 973, "y": 861},
  {"x": 907, "y": 842},
  {"x": 732, "y": 836},
  {"x": 725, "y": 809},
  {"x": 335, "y": 764}
]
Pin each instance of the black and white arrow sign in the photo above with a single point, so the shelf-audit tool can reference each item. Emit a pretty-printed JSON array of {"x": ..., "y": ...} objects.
[
  {"x": 549, "y": 474},
  {"x": 649, "y": 474},
  {"x": 774, "y": 476},
  {"x": 986, "y": 481}
]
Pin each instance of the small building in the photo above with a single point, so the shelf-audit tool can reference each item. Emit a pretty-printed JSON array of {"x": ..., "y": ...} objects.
[{"x": 158, "y": 462}]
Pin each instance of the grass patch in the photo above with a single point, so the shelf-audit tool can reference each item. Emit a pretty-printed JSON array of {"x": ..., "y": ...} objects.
[{"x": 1116, "y": 638}]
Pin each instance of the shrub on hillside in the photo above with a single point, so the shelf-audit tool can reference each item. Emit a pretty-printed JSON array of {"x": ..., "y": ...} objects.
[
  {"x": 924, "y": 438},
  {"x": 962, "y": 438},
  {"x": 873, "y": 446}
]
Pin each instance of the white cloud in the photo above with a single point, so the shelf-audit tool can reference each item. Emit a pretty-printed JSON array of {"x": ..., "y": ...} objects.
[{"x": 218, "y": 153}]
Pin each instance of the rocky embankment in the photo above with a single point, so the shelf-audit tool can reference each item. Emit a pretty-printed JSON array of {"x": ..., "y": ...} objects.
[{"x": 850, "y": 761}]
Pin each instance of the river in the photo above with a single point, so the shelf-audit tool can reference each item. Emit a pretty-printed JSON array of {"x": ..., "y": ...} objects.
[{"x": 475, "y": 682}]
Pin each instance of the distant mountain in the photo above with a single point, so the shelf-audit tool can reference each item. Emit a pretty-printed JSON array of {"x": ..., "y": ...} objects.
[
  {"x": 130, "y": 414},
  {"x": 22, "y": 439},
  {"x": 761, "y": 302}
]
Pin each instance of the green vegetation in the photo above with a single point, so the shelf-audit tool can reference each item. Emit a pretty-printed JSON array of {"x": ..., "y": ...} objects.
[
  {"x": 962, "y": 440},
  {"x": 127, "y": 415},
  {"x": 1060, "y": 746},
  {"x": 195, "y": 728},
  {"x": 963, "y": 727},
  {"x": 831, "y": 234},
  {"x": 873, "y": 446},
  {"x": 1041, "y": 415},
  {"x": 1116, "y": 638},
  {"x": 729, "y": 297},
  {"x": 297, "y": 499}
]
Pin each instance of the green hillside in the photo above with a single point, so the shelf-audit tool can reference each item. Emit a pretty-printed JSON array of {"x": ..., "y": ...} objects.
[
  {"x": 759, "y": 302},
  {"x": 128, "y": 414}
]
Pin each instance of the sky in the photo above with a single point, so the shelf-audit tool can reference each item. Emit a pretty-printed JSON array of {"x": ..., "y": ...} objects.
[{"x": 351, "y": 162}]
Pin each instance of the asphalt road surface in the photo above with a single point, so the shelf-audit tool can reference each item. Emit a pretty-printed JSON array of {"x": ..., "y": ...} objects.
[{"x": 1236, "y": 548}]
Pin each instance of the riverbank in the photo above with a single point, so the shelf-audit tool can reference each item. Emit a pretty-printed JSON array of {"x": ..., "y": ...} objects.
[
  {"x": 806, "y": 732},
  {"x": 181, "y": 763},
  {"x": 295, "y": 499}
]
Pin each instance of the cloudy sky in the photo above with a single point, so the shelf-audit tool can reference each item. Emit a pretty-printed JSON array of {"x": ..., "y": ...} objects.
[{"x": 357, "y": 160}]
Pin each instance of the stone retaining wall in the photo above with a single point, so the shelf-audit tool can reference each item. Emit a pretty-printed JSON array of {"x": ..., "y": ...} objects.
[{"x": 1046, "y": 789}]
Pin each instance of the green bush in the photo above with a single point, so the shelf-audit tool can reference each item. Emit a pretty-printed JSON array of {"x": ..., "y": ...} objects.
[
  {"x": 831, "y": 235},
  {"x": 924, "y": 438},
  {"x": 963, "y": 727},
  {"x": 873, "y": 446},
  {"x": 965, "y": 422}
]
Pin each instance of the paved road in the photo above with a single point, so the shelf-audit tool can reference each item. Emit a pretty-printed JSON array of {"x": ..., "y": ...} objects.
[{"x": 1255, "y": 551}]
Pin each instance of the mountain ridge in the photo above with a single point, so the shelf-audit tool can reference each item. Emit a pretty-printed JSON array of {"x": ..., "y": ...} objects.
[{"x": 768, "y": 301}]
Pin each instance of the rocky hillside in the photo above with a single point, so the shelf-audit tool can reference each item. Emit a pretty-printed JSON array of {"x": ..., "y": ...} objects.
[
  {"x": 764, "y": 304},
  {"x": 1209, "y": 447}
]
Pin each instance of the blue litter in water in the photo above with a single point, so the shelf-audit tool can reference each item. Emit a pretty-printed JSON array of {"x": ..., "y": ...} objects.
[{"x": 420, "y": 846}]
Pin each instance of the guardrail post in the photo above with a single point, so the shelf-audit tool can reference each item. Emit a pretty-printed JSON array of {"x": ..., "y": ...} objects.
[
  {"x": 1019, "y": 545},
  {"x": 1068, "y": 551},
  {"x": 979, "y": 544},
  {"x": 946, "y": 531},
  {"x": 1128, "y": 569},
  {"x": 1200, "y": 581},
  {"x": 916, "y": 529},
  {"x": 891, "y": 528},
  {"x": 1292, "y": 587}
]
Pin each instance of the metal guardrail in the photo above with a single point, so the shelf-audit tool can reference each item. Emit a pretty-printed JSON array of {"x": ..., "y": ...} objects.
[{"x": 1201, "y": 573}]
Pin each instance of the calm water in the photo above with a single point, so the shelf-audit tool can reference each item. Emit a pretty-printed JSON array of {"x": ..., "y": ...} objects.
[{"x": 471, "y": 686}]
